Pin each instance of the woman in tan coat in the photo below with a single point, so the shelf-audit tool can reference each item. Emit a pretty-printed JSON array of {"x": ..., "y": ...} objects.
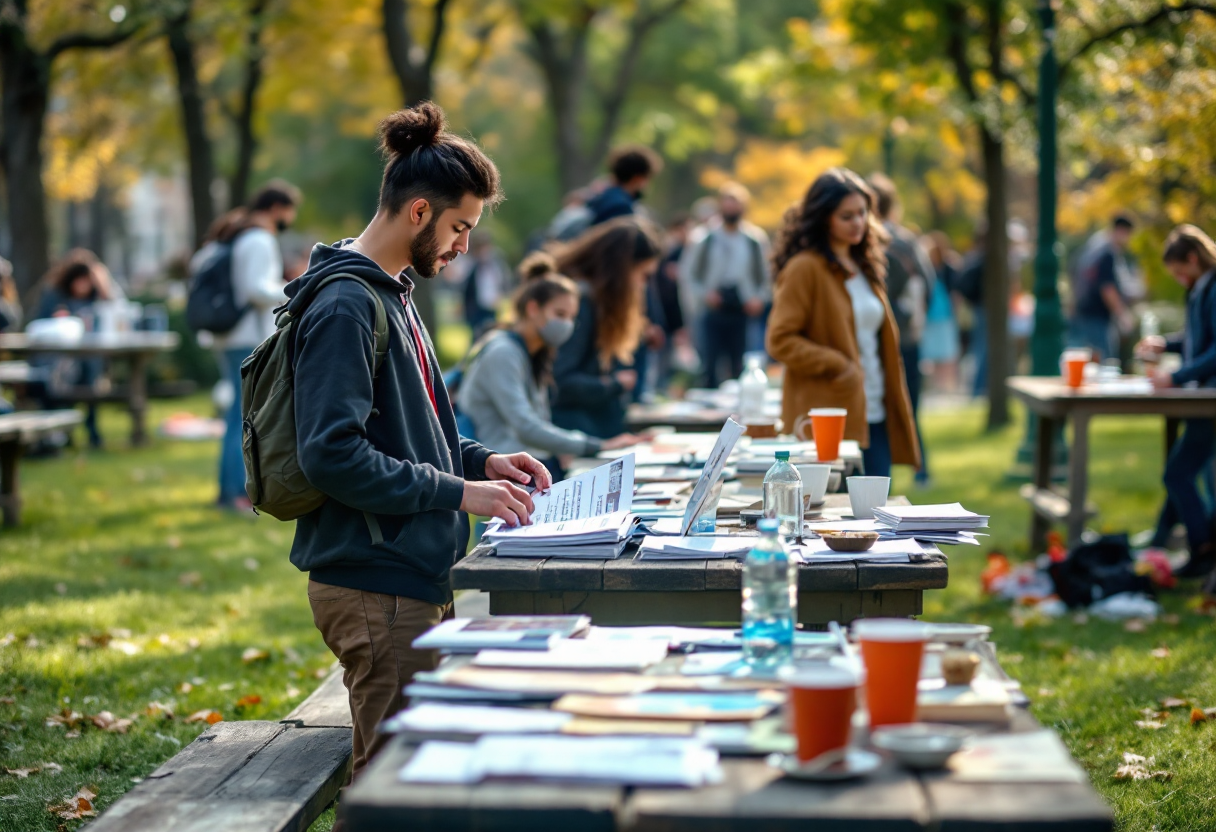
[{"x": 832, "y": 326}]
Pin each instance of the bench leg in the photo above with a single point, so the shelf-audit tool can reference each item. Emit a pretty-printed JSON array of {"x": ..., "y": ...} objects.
[
  {"x": 1078, "y": 477},
  {"x": 10, "y": 499},
  {"x": 137, "y": 399},
  {"x": 1044, "y": 448}
]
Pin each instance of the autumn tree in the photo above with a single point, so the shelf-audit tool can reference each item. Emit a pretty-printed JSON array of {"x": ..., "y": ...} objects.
[{"x": 30, "y": 44}]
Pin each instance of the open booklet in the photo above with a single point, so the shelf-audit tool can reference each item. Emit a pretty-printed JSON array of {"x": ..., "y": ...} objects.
[
  {"x": 729, "y": 435},
  {"x": 607, "y": 489}
]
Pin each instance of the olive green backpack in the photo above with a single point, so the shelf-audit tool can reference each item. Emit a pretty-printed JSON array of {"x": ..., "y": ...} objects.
[{"x": 273, "y": 479}]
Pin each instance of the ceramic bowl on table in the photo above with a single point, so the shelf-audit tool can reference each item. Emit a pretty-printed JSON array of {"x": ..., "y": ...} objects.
[
  {"x": 948, "y": 633},
  {"x": 849, "y": 541},
  {"x": 920, "y": 745}
]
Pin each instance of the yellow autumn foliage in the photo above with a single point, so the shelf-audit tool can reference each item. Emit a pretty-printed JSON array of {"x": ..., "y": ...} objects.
[{"x": 777, "y": 173}]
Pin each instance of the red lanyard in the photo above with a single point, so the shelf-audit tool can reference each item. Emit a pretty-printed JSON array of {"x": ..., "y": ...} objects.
[{"x": 420, "y": 348}]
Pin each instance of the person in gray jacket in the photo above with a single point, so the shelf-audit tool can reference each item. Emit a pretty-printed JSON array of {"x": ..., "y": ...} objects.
[{"x": 505, "y": 387}]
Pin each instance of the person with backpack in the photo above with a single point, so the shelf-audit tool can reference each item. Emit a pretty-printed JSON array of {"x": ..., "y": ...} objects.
[
  {"x": 1190, "y": 256},
  {"x": 238, "y": 279},
  {"x": 505, "y": 389},
  {"x": 375, "y": 438},
  {"x": 726, "y": 285}
]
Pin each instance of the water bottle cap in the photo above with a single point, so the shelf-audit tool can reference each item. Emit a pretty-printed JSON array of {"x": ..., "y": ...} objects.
[
  {"x": 784, "y": 456},
  {"x": 769, "y": 524}
]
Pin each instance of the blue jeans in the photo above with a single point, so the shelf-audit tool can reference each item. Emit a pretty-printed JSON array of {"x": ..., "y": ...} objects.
[
  {"x": 911, "y": 357},
  {"x": 232, "y": 462},
  {"x": 877, "y": 457},
  {"x": 1190, "y": 457},
  {"x": 979, "y": 349}
]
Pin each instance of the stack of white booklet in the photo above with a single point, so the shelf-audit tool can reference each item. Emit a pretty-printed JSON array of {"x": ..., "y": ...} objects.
[
  {"x": 604, "y": 536},
  {"x": 888, "y": 533},
  {"x": 640, "y": 761},
  {"x": 946, "y": 517},
  {"x": 701, "y": 547}
]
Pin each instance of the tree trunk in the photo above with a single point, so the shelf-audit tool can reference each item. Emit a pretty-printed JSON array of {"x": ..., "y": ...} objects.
[
  {"x": 194, "y": 124},
  {"x": 996, "y": 277},
  {"x": 247, "y": 142},
  {"x": 24, "y": 92}
]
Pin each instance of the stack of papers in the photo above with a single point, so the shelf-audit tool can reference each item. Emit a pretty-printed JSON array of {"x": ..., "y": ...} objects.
[
  {"x": 695, "y": 548},
  {"x": 887, "y": 533},
  {"x": 883, "y": 551},
  {"x": 510, "y": 632},
  {"x": 431, "y": 718},
  {"x": 579, "y": 654},
  {"x": 636, "y": 761},
  {"x": 946, "y": 517},
  {"x": 591, "y": 537}
]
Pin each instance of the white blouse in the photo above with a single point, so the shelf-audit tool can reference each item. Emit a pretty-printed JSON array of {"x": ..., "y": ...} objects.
[{"x": 868, "y": 315}]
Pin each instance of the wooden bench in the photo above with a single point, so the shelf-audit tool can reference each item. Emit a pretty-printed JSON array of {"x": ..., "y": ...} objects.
[
  {"x": 17, "y": 432},
  {"x": 252, "y": 776}
]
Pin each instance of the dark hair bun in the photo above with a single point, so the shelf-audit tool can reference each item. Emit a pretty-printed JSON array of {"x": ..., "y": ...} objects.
[
  {"x": 536, "y": 265},
  {"x": 407, "y": 130}
]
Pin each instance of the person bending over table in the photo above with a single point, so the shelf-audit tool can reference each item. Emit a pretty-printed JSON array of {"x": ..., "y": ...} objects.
[
  {"x": 832, "y": 326},
  {"x": 611, "y": 264},
  {"x": 505, "y": 387},
  {"x": 1190, "y": 256}
]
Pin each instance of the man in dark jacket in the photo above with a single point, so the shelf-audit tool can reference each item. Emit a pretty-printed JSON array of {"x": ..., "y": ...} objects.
[
  {"x": 382, "y": 443},
  {"x": 631, "y": 167}
]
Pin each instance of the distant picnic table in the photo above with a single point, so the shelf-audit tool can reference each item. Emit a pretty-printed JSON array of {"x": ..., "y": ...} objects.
[{"x": 136, "y": 348}]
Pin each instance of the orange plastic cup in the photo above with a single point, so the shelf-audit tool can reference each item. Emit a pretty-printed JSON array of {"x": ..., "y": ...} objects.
[
  {"x": 1074, "y": 366},
  {"x": 827, "y": 429},
  {"x": 822, "y": 702},
  {"x": 892, "y": 649}
]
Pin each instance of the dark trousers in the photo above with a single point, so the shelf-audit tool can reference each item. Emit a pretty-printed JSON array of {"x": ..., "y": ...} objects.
[
  {"x": 911, "y": 356},
  {"x": 877, "y": 457},
  {"x": 1190, "y": 457},
  {"x": 724, "y": 339}
]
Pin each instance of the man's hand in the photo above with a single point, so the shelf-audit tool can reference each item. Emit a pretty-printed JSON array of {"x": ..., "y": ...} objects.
[
  {"x": 1163, "y": 380},
  {"x": 713, "y": 299},
  {"x": 623, "y": 440},
  {"x": 628, "y": 379},
  {"x": 502, "y": 499},
  {"x": 1151, "y": 345},
  {"x": 521, "y": 468},
  {"x": 754, "y": 307}
]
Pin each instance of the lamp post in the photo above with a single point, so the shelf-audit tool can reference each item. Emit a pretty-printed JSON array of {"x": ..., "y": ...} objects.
[{"x": 1048, "y": 338}]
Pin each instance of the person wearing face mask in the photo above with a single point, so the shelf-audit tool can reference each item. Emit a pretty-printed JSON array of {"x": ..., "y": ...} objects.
[
  {"x": 257, "y": 283},
  {"x": 593, "y": 371},
  {"x": 832, "y": 326},
  {"x": 504, "y": 391}
]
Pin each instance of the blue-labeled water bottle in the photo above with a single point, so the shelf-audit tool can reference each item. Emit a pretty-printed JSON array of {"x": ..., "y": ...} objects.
[
  {"x": 783, "y": 495},
  {"x": 770, "y": 602}
]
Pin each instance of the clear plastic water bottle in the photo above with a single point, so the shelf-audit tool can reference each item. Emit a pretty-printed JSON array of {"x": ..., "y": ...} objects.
[
  {"x": 753, "y": 385},
  {"x": 783, "y": 495},
  {"x": 1150, "y": 326},
  {"x": 770, "y": 602}
]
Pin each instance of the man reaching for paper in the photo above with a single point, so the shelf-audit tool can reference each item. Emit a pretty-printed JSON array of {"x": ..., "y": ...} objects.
[{"x": 379, "y": 438}]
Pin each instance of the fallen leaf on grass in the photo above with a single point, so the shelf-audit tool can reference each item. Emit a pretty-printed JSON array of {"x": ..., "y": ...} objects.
[
  {"x": 128, "y": 648},
  {"x": 190, "y": 579},
  {"x": 72, "y": 735},
  {"x": 53, "y": 768},
  {"x": 293, "y": 692},
  {"x": 1150, "y": 724},
  {"x": 254, "y": 654},
  {"x": 8, "y": 700},
  {"x": 209, "y": 717},
  {"x": 92, "y": 640},
  {"x": 249, "y": 701},
  {"x": 1135, "y": 625},
  {"x": 1174, "y": 702},
  {"x": 156, "y": 709},
  {"x": 1136, "y": 767},
  {"x": 227, "y": 686},
  {"x": 1202, "y": 715},
  {"x": 106, "y": 721},
  {"x": 164, "y": 639},
  {"x": 79, "y": 805},
  {"x": 8, "y": 639},
  {"x": 321, "y": 673},
  {"x": 21, "y": 773},
  {"x": 1161, "y": 652},
  {"x": 65, "y": 718},
  {"x": 193, "y": 643}
]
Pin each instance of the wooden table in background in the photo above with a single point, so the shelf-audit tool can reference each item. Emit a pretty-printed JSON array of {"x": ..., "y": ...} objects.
[
  {"x": 136, "y": 348},
  {"x": 631, "y": 591},
  {"x": 1055, "y": 403},
  {"x": 685, "y": 417}
]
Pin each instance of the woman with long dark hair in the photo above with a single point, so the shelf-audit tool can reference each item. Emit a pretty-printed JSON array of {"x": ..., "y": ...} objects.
[
  {"x": 612, "y": 264},
  {"x": 832, "y": 326},
  {"x": 505, "y": 390}
]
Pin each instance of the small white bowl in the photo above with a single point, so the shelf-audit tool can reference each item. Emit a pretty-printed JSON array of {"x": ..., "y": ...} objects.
[{"x": 920, "y": 745}]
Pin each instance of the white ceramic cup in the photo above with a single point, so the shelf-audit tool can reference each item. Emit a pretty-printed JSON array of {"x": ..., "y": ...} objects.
[
  {"x": 866, "y": 494},
  {"x": 814, "y": 482}
]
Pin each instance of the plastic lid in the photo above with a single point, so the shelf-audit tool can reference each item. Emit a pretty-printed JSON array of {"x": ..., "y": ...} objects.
[
  {"x": 784, "y": 456},
  {"x": 768, "y": 524}
]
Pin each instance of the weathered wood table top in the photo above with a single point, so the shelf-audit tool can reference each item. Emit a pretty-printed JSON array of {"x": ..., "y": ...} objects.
[
  {"x": 754, "y": 797},
  {"x": 632, "y": 591},
  {"x": 99, "y": 344}
]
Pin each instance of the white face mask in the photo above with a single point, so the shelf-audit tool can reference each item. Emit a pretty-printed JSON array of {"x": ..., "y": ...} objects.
[{"x": 556, "y": 331}]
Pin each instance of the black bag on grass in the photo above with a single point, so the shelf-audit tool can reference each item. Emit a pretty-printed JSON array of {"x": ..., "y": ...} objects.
[{"x": 1093, "y": 571}]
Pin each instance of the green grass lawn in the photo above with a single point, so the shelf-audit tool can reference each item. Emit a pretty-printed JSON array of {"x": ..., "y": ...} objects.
[{"x": 125, "y": 587}]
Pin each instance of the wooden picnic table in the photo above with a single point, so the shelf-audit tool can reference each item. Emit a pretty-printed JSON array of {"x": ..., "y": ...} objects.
[
  {"x": 1055, "y": 404},
  {"x": 754, "y": 797},
  {"x": 631, "y": 591},
  {"x": 17, "y": 430},
  {"x": 685, "y": 417},
  {"x": 136, "y": 348}
]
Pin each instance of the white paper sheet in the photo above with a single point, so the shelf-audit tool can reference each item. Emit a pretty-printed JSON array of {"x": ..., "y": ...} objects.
[{"x": 603, "y": 490}]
